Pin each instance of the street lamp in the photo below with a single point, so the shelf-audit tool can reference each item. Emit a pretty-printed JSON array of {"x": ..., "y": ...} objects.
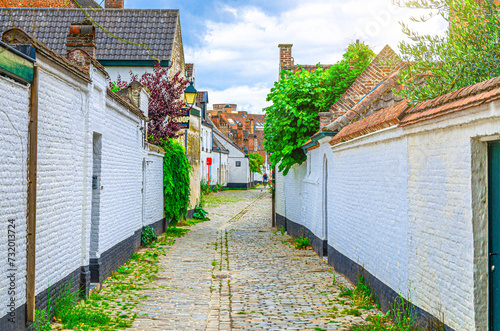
[{"x": 190, "y": 94}]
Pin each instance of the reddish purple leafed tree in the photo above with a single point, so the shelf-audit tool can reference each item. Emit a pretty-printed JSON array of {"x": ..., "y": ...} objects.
[{"x": 165, "y": 103}]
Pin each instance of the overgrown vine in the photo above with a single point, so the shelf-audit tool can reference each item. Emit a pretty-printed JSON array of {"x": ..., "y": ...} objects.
[{"x": 176, "y": 180}]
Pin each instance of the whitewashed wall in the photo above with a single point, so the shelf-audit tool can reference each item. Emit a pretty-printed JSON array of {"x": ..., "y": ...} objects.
[
  {"x": 14, "y": 118},
  {"x": 154, "y": 198},
  {"x": 60, "y": 174},
  {"x": 409, "y": 205},
  {"x": 121, "y": 181},
  {"x": 367, "y": 206},
  {"x": 447, "y": 191}
]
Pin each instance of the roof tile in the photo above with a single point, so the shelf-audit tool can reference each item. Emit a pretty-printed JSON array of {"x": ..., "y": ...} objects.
[{"x": 52, "y": 26}]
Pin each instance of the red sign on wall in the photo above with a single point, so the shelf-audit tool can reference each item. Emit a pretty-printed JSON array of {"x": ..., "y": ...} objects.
[{"x": 209, "y": 161}]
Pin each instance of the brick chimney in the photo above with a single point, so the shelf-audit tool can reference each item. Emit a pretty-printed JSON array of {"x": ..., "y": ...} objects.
[
  {"x": 249, "y": 125},
  {"x": 82, "y": 36},
  {"x": 239, "y": 136},
  {"x": 286, "y": 60},
  {"x": 117, "y": 4}
]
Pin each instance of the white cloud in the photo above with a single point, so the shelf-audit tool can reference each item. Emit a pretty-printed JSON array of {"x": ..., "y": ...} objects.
[
  {"x": 248, "y": 98},
  {"x": 243, "y": 53}
]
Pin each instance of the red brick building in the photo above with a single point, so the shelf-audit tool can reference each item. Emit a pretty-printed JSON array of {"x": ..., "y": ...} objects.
[{"x": 244, "y": 129}]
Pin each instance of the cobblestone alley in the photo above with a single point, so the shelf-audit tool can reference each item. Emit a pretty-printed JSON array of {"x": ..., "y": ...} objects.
[{"x": 236, "y": 273}]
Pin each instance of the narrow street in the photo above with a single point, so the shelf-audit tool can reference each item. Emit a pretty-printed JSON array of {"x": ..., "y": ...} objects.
[{"x": 236, "y": 272}]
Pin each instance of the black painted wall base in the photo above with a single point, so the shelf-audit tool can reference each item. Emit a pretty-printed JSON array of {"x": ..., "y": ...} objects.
[
  {"x": 384, "y": 294},
  {"x": 160, "y": 226},
  {"x": 190, "y": 213},
  {"x": 102, "y": 267},
  {"x": 15, "y": 320},
  {"x": 297, "y": 230},
  {"x": 350, "y": 269}
]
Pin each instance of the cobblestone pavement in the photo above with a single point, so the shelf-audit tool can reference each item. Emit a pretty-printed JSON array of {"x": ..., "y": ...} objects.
[{"x": 236, "y": 273}]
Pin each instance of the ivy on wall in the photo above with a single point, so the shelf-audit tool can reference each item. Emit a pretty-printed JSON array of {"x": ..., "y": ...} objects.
[{"x": 176, "y": 180}]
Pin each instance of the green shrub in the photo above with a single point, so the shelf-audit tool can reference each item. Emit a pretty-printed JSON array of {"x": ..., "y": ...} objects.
[
  {"x": 200, "y": 213},
  {"x": 302, "y": 242},
  {"x": 148, "y": 236}
]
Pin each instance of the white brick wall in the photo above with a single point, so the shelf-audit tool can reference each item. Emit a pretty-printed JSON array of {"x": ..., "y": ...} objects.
[
  {"x": 14, "y": 118},
  {"x": 367, "y": 205},
  {"x": 61, "y": 146},
  {"x": 153, "y": 204},
  {"x": 70, "y": 112},
  {"x": 121, "y": 180}
]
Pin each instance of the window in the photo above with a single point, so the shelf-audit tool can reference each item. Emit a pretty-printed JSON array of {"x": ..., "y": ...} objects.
[{"x": 238, "y": 163}]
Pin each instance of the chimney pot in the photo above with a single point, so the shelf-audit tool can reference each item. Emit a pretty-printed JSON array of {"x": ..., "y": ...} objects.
[{"x": 82, "y": 36}]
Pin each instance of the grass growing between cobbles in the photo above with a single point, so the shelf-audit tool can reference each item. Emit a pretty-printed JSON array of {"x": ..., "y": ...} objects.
[
  {"x": 111, "y": 307},
  {"x": 218, "y": 199}
]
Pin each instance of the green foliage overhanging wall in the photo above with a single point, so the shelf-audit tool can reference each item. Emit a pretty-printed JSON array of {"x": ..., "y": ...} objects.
[
  {"x": 466, "y": 54},
  {"x": 298, "y": 98},
  {"x": 256, "y": 162},
  {"x": 176, "y": 180}
]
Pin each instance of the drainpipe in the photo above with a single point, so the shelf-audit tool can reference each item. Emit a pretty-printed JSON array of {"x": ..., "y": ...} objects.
[{"x": 31, "y": 226}]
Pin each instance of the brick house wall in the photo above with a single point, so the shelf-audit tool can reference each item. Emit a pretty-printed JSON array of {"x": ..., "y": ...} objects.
[{"x": 406, "y": 206}]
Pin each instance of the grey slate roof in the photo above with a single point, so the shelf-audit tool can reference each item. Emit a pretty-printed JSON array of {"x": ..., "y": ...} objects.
[
  {"x": 88, "y": 4},
  {"x": 154, "y": 27}
]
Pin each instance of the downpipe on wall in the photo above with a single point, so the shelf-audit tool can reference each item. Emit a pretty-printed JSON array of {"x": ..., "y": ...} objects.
[{"x": 32, "y": 172}]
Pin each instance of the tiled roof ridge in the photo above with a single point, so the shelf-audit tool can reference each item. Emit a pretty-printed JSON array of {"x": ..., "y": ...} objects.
[
  {"x": 462, "y": 93},
  {"x": 462, "y": 99},
  {"x": 402, "y": 114},
  {"x": 127, "y": 104},
  {"x": 9, "y": 35},
  {"x": 377, "y": 121}
]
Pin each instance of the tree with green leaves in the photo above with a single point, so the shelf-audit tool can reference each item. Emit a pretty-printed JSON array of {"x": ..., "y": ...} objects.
[
  {"x": 466, "y": 54},
  {"x": 298, "y": 97},
  {"x": 256, "y": 162}
]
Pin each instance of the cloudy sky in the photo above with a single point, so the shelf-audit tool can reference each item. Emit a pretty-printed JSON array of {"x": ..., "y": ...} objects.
[{"x": 234, "y": 44}]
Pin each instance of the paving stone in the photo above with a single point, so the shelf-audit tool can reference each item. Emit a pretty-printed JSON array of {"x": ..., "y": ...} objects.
[{"x": 258, "y": 283}]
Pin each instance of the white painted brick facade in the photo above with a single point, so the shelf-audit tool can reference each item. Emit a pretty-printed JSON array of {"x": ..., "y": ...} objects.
[
  {"x": 409, "y": 205},
  {"x": 60, "y": 174},
  {"x": 154, "y": 197},
  {"x": 70, "y": 112},
  {"x": 14, "y": 118}
]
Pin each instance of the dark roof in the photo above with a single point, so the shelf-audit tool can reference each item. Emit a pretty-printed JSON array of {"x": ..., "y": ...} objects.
[
  {"x": 156, "y": 28},
  {"x": 88, "y": 4}
]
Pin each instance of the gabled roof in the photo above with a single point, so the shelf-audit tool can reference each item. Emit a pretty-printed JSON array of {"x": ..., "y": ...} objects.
[
  {"x": 385, "y": 64},
  {"x": 202, "y": 97},
  {"x": 156, "y": 28},
  {"x": 218, "y": 146},
  {"x": 371, "y": 91},
  {"x": 381, "y": 119}
]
